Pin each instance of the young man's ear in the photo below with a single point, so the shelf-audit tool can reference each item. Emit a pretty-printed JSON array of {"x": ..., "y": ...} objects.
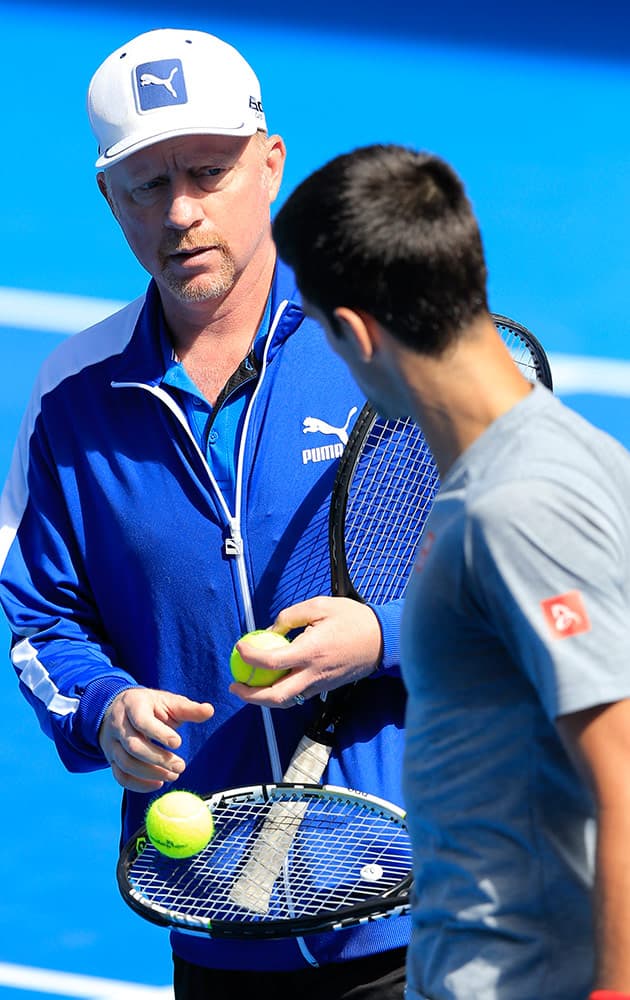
[{"x": 361, "y": 329}]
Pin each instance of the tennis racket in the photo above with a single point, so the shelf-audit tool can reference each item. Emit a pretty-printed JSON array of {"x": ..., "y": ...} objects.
[
  {"x": 383, "y": 491},
  {"x": 350, "y": 863}
]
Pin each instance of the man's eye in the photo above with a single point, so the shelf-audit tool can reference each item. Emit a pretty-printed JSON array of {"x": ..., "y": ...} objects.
[
  {"x": 211, "y": 171},
  {"x": 149, "y": 185}
]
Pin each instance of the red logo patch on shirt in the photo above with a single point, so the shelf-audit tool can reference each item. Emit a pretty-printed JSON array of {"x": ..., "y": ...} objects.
[
  {"x": 423, "y": 554},
  {"x": 566, "y": 615}
]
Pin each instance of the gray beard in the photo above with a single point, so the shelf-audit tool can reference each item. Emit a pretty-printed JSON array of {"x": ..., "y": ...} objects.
[{"x": 203, "y": 287}]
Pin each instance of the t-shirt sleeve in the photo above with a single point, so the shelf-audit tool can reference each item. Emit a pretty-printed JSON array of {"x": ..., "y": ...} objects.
[{"x": 548, "y": 568}]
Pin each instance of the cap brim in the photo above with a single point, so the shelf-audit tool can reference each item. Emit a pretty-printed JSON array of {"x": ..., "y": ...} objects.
[{"x": 120, "y": 150}]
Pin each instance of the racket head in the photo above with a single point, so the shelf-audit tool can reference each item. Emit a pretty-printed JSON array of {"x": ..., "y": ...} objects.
[
  {"x": 349, "y": 862},
  {"x": 385, "y": 486},
  {"x": 526, "y": 349},
  {"x": 383, "y": 491}
]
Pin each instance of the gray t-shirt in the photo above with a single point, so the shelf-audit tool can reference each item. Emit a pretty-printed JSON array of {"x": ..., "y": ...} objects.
[{"x": 518, "y": 612}]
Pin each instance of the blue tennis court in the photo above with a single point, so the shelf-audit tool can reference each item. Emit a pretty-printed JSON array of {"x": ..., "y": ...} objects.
[{"x": 530, "y": 106}]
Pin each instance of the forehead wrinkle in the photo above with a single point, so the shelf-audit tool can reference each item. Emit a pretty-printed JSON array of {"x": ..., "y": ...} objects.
[{"x": 181, "y": 154}]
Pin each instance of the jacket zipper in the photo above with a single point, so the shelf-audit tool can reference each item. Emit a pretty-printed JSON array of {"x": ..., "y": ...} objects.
[{"x": 234, "y": 544}]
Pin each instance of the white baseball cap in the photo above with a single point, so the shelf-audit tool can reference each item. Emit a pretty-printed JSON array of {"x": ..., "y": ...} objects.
[{"x": 171, "y": 82}]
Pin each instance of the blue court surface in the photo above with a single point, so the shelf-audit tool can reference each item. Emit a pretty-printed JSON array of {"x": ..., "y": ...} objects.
[{"x": 529, "y": 103}]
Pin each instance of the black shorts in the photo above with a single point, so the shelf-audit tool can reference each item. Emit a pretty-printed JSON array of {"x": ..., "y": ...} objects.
[{"x": 377, "y": 977}]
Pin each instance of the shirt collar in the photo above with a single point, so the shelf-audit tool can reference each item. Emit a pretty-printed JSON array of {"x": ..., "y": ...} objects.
[{"x": 169, "y": 355}]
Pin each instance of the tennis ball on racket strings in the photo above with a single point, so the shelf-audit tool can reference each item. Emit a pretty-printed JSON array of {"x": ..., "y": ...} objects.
[
  {"x": 257, "y": 676},
  {"x": 179, "y": 824}
]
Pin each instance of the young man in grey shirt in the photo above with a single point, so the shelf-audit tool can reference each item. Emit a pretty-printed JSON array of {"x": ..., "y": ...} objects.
[{"x": 515, "y": 633}]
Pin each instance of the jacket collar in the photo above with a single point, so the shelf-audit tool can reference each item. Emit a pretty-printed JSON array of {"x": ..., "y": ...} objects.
[{"x": 143, "y": 358}]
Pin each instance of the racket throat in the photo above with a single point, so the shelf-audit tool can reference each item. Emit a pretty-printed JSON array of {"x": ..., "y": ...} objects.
[{"x": 254, "y": 886}]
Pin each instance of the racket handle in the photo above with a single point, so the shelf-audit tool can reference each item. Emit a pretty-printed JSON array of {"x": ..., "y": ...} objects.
[
  {"x": 308, "y": 762},
  {"x": 253, "y": 887}
]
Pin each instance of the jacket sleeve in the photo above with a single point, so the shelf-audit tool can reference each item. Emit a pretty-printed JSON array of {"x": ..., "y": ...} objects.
[
  {"x": 66, "y": 668},
  {"x": 389, "y": 616}
]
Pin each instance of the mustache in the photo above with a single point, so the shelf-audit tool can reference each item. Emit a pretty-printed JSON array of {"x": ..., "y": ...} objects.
[{"x": 173, "y": 243}]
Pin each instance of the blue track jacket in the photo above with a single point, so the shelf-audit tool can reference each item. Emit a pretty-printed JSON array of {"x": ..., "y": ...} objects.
[{"x": 124, "y": 565}]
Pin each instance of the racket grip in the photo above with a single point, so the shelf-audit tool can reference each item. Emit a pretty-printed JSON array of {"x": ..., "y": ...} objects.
[
  {"x": 308, "y": 762},
  {"x": 253, "y": 887}
]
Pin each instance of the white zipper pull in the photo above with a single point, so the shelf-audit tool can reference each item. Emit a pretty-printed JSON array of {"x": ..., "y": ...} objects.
[{"x": 233, "y": 545}]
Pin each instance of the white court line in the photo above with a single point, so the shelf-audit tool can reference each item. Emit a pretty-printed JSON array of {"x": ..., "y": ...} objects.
[
  {"x": 69, "y": 984},
  {"x": 51, "y": 312},
  {"x": 575, "y": 374}
]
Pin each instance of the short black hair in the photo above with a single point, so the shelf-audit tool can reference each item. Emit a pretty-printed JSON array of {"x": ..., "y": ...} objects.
[{"x": 390, "y": 231}]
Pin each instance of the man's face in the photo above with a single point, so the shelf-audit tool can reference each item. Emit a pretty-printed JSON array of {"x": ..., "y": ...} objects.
[{"x": 195, "y": 210}]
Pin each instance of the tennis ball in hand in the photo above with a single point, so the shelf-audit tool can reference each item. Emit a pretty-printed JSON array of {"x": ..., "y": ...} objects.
[
  {"x": 179, "y": 824},
  {"x": 257, "y": 676}
]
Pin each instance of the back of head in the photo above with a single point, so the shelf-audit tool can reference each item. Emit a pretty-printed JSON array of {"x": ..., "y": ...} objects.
[
  {"x": 167, "y": 83},
  {"x": 388, "y": 231}
]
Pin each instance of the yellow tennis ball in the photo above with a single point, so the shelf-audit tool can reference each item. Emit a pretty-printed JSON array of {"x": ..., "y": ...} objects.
[
  {"x": 179, "y": 824},
  {"x": 257, "y": 676}
]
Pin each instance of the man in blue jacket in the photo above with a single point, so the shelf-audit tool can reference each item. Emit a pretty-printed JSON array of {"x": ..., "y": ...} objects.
[{"x": 170, "y": 491}]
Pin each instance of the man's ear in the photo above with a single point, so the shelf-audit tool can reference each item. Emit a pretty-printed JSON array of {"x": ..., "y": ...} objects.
[
  {"x": 275, "y": 159},
  {"x": 102, "y": 186},
  {"x": 360, "y": 329},
  {"x": 104, "y": 189}
]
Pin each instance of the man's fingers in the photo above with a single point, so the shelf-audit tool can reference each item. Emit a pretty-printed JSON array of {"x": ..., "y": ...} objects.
[
  {"x": 134, "y": 754},
  {"x": 138, "y": 736},
  {"x": 182, "y": 709},
  {"x": 301, "y": 615},
  {"x": 278, "y": 695},
  {"x": 159, "y": 719},
  {"x": 133, "y": 783},
  {"x": 137, "y": 748}
]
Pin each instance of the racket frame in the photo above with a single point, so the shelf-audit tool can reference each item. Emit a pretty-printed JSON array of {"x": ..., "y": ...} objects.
[
  {"x": 394, "y": 901},
  {"x": 541, "y": 365}
]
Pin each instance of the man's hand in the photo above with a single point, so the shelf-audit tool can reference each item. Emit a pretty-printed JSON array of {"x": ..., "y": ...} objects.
[
  {"x": 138, "y": 735},
  {"x": 341, "y": 643}
]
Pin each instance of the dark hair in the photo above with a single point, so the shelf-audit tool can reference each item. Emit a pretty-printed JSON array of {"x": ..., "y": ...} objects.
[{"x": 389, "y": 231}]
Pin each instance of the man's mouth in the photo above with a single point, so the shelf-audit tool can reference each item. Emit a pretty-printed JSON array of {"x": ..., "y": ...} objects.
[{"x": 190, "y": 251}]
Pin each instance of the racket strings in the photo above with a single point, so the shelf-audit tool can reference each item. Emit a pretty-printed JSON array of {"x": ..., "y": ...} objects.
[
  {"x": 342, "y": 855},
  {"x": 393, "y": 485},
  {"x": 389, "y": 498},
  {"x": 528, "y": 360}
]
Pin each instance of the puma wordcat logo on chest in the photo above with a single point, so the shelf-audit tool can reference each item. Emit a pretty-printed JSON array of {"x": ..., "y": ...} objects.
[{"x": 326, "y": 452}]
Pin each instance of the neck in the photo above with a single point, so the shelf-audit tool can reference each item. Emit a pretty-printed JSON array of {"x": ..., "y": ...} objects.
[
  {"x": 212, "y": 337},
  {"x": 462, "y": 393},
  {"x": 232, "y": 317}
]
